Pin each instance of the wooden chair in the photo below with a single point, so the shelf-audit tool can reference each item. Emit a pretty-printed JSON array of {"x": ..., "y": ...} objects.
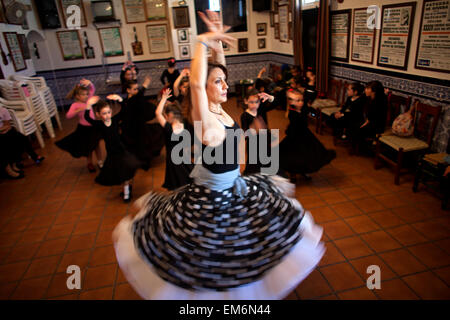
[
  {"x": 426, "y": 122},
  {"x": 334, "y": 96}
]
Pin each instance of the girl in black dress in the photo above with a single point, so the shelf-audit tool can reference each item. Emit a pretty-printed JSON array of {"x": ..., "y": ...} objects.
[
  {"x": 143, "y": 139},
  {"x": 170, "y": 74},
  {"x": 177, "y": 175},
  {"x": 129, "y": 72},
  {"x": 346, "y": 121},
  {"x": 300, "y": 151},
  {"x": 375, "y": 115},
  {"x": 310, "y": 87},
  {"x": 120, "y": 165},
  {"x": 255, "y": 118}
]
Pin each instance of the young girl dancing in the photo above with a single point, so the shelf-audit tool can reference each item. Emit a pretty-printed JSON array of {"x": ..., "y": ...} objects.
[
  {"x": 85, "y": 139},
  {"x": 300, "y": 151},
  {"x": 177, "y": 175},
  {"x": 255, "y": 117},
  {"x": 120, "y": 165},
  {"x": 221, "y": 236}
]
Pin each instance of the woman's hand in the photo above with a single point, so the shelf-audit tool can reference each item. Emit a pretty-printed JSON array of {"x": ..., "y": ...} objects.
[
  {"x": 167, "y": 93},
  {"x": 114, "y": 97},
  {"x": 213, "y": 22},
  {"x": 185, "y": 72},
  {"x": 91, "y": 101}
]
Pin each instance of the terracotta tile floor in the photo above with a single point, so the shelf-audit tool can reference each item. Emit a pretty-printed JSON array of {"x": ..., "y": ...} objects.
[{"x": 57, "y": 216}]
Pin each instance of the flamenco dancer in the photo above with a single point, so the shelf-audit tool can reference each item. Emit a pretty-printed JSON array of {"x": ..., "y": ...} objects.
[
  {"x": 177, "y": 175},
  {"x": 120, "y": 165},
  {"x": 300, "y": 151},
  {"x": 222, "y": 236},
  {"x": 85, "y": 139},
  {"x": 140, "y": 138}
]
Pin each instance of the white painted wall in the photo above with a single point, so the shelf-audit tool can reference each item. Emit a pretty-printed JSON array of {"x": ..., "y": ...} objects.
[
  {"x": 51, "y": 57},
  {"x": 352, "y": 4}
]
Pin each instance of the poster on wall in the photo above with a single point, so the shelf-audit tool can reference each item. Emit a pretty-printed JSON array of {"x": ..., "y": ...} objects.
[
  {"x": 111, "y": 41},
  {"x": 363, "y": 43},
  {"x": 70, "y": 45},
  {"x": 396, "y": 27},
  {"x": 340, "y": 34},
  {"x": 79, "y": 3},
  {"x": 156, "y": 10},
  {"x": 434, "y": 38},
  {"x": 283, "y": 12},
  {"x": 134, "y": 10},
  {"x": 158, "y": 38},
  {"x": 15, "y": 50}
]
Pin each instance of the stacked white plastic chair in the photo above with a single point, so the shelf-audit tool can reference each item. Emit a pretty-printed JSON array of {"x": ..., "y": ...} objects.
[
  {"x": 41, "y": 87},
  {"x": 34, "y": 102},
  {"x": 23, "y": 120}
]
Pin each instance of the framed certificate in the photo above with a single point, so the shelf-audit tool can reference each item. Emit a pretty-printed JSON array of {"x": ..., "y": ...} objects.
[
  {"x": 66, "y": 3},
  {"x": 134, "y": 11},
  {"x": 15, "y": 50},
  {"x": 111, "y": 41},
  {"x": 434, "y": 37},
  {"x": 283, "y": 11},
  {"x": 156, "y": 10},
  {"x": 158, "y": 38},
  {"x": 395, "y": 37},
  {"x": 70, "y": 44},
  {"x": 340, "y": 34},
  {"x": 363, "y": 43},
  {"x": 181, "y": 17}
]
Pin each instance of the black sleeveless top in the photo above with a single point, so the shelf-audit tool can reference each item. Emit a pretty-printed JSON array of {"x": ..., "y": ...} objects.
[{"x": 220, "y": 163}]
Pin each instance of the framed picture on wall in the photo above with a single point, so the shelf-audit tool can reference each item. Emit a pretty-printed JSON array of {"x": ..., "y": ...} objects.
[
  {"x": 261, "y": 29},
  {"x": 283, "y": 11},
  {"x": 24, "y": 43},
  {"x": 277, "y": 30},
  {"x": 363, "y": 40},
  {"x": 262, "y": 43},
  {"x": 243, "y": 45},
  {"x": 15, "y": 50},
  {"x": 340, "y": 34},
  {"x": 111, "y": 41},
  {"x": 158, "y": 38},
  {"x": 134, "y": 11},
  {"x": 432, "y": 48},
  {"x": 395, "y": 35},
  {"x": 185, "y": 51},
  {"x": 79, "y": 3},
  {"x": 183, "y": 36},
  {"x": 181, "y": 17},
  {"x": 156, "y": 10},
  {"x": 70, "y": 45}
]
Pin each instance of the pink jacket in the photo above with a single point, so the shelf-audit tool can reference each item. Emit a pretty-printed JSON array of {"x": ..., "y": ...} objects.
[{"x": 77, "y": 108}]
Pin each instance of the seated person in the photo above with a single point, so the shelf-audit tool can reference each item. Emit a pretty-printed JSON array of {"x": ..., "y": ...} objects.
[{"x": 346, "y": 121}]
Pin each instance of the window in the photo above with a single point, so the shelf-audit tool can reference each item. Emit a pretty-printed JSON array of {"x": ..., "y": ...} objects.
[{"x": 234, "y": 13}]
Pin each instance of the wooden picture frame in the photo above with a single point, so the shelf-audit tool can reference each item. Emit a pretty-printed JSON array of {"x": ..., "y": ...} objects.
[
  {"x": 156, "y": 10},
  {"x": 384, "y": 54},
  {"x": 185, "y": 51},
  {"x": 183, "y": 36},
  {"x": 158, "y": 38},
  {"x": 340, "y": 34},
  {"x": 64, "y": 4},
  {"x": 70, "y": 45},
  {"x": 24, "y": 43},
  {"x": 261, "y": 29},
  {"x": 277, "y": 31},
  {"x": 262, "y": 43},
  {"x": 110, "y": 39},
  {"x": 134, "y": 11},
  {"x": 181, "y": 17},
  {"x": 2, "y": 13},
  {"x": 15, "y": 50},
  {"x": 422, "y": 61},
  {"x": 243, "y": 45},
  {"x": 359, "y": 33},
  {"x": 272, "y": 18}
]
